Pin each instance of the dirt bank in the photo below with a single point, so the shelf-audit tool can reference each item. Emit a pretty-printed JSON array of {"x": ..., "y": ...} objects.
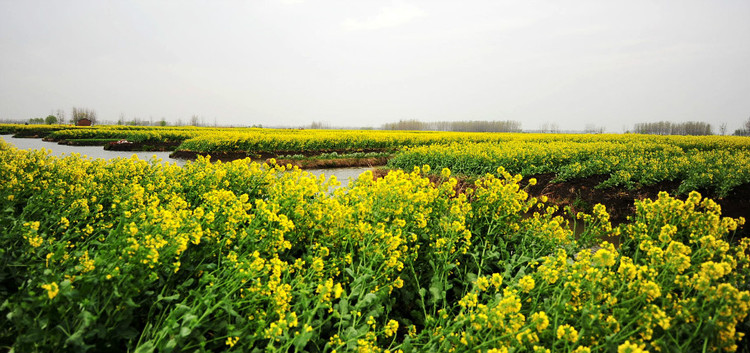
[
  {"x": 141, "y": 146},
  {"x": 582, "y": 195},
  {"x": 304, "y": 163},
  {"x": 335, "y": 163}
]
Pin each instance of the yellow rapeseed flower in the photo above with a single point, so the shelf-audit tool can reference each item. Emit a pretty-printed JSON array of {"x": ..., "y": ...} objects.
[
  {"x": 567, "y": 333},
  {"x": 52, "y": 289},
  {"x": 231, "y": 341},
  {"x": 540, "y": 321},
  {"x": 628, "y": 347},
  {"x": 527, "y": 283},
  {"x": 391, "y": 327}
]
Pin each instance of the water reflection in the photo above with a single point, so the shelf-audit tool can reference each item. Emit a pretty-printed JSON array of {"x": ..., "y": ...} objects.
[
  {"x": 342, "y": 174},
  {"x": 94, "y": 152}
]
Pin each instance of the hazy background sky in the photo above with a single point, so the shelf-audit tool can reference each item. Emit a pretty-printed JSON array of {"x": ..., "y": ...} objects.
[{"x": 365, "y": 63}]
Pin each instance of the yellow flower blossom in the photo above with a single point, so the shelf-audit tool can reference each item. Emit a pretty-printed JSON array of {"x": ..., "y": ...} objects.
[
  {"x": 231, "y": 341},
  {"x": 52, "y": 289},
  {"x": 527, "y": 283},
  {"x": 391, "y": 327},
  {"x": 628, "y": 347},
  {"x": 567, "y": 332}
]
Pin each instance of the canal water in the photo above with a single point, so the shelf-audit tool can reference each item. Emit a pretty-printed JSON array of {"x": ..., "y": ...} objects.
[
  {"x": 91, "y": 151},
  {"x": 342, "y": 174}
]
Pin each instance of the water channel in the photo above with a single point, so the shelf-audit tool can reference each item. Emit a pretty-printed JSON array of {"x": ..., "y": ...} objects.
[{"x": 342, "y": 174}]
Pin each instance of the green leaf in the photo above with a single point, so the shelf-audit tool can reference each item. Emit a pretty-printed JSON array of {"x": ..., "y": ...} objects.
[
  {"x": 189, "y": 318},
  {"x": 147, "y": 347},
  {"x": 170, "y": 346},
  {"x": 367, "y": 300},
  {"x": 344, "y": 306},
  {"x": 437, "y": 291},
  {"x": 301, "y": 340},
  {"x": 187, "y": 283},
  {"x": 169, "y": 298},
  {"x": 129, "y": 302}
]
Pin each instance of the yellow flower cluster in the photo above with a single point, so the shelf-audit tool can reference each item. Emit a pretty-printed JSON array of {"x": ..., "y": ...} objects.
[
  {"x": 715, "y": 163},
  {"x": 52, "y": 289}
]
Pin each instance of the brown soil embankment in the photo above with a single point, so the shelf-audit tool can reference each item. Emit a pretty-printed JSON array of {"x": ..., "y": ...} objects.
[
  {"x": 582, "y": 195},
  {"x": 304, "y": 163},
  {"x": 232, "y": 155},
  {"x": 335, "y": 163},
  {"x": 215, "y": 156},
  {"x": 142, "y": 146}
]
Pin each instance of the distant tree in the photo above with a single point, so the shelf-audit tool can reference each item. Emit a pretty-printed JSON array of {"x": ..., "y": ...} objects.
[
  {"x": 412, "y": 124},
  {"x": 162, "y": 122},
  {"x": 195, "y": 120},
  {"x": 723, "y": 129},
  {"x": 50, "y": 119},
  {"x": 83, "y": 113},
  {"x": 36, "y": 121},
  {"x": 462, "y": 126},
  {"x": 60, "y": 114},
  {"x": 549, "y": 128},
  {"x": 319, "y": 125},
  {"x": 136, "y": 121},
  {"x": 593, "y": 129},
  {"x": 669, "y": 128},
  {"x": 745, "y": 130}
]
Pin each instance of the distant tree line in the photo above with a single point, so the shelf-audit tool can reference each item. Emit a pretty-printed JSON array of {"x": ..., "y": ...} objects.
[
  {"x": 548, "y": 128},
  {"x": 695, "y": 128},
  {"x": 136, "y": 121},
  {"x": 320, "y": 125},
  {"x": 745, "y": 130},
  {"x": 593, "y": 129},
  {"x": 58, "y": 117},
  {"x": 83, "y": 113},
  {"x": 460, "y": 126},
  {"x": 50, "y": 119}
]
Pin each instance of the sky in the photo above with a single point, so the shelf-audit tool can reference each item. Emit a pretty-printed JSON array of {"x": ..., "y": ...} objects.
[{"x": 364, "y": 63}]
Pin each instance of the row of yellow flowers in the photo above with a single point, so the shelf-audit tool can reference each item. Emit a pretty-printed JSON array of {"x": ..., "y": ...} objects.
[
  {"x": 714, "y": 164},
  {"x": 256, "y": 140},
  {"x": 130, "y": 255}
]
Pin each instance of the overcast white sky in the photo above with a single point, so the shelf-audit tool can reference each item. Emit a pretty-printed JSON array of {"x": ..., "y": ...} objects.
[{"x": 365, "y": 63}]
